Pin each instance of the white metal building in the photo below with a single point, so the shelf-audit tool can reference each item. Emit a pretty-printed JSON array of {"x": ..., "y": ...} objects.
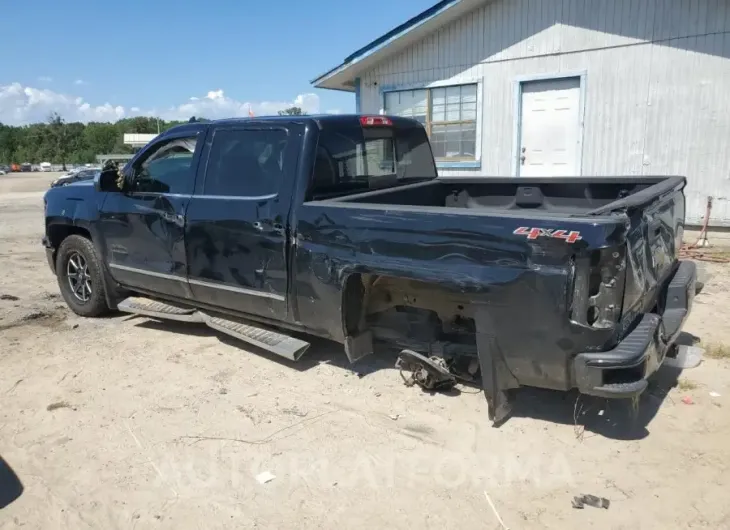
[
  {"x": 137, "y": 140},
  {"x": 562, "y": 87}
]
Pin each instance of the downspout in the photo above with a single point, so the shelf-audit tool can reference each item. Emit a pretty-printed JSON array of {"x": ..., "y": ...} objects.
[{"x": 357, "y": 96}]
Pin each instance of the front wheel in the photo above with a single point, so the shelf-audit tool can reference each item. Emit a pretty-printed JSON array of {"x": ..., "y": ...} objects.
[{"x": 80, "y": 277}]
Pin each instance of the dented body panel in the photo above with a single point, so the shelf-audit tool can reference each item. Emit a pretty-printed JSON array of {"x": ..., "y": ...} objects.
[{"x": 529, "y": 280}]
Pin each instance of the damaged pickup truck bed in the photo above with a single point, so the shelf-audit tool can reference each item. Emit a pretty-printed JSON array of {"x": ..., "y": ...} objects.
[{"x": 338, "y": 227}]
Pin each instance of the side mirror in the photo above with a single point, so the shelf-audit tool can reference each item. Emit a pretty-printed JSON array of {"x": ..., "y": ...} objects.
[{"x": 108, "y": 180}]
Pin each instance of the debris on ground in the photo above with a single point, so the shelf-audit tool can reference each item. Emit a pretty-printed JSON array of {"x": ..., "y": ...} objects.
[
  {"x": 265, "y": 477},
  {"x": 59, "y": 405},
  {"x": 394, "y": 416},
  {"x": 295, "y": 411},
  {"x": 703, "y": 255},
  {"x": 687, "y": 357},
  {"x": 494, "y": 509},
  {"x": 715, "y": 394},
  {"x": 9, "y": 297},
  {"x": 688, "y": 400},
  {"x": 717, "y": 351},
  {"x": 581, "y": 501},
  {"x": 430, "y": 373}
]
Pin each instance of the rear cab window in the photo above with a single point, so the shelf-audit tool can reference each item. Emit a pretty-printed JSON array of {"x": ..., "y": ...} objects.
[{"x": 354, "y": 159}]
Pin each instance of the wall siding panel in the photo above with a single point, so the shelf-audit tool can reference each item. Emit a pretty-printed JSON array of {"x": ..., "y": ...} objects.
[{"x": 657, "y": 75}]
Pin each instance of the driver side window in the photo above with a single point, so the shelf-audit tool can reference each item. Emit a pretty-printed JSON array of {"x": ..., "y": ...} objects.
[{"x": 168, "y": 168}]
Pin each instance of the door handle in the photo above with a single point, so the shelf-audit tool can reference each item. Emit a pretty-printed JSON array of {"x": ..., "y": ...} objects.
[
  {"x": 265, "y": 226},
  {"x": 523, "y": 157},
  {"x": 174, "y": 218}
]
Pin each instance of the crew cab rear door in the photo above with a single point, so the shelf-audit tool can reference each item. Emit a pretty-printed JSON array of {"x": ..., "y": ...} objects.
[{"x": 238, "y": 220}]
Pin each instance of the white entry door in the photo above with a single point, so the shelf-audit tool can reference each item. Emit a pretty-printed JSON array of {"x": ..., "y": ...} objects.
[{"x": 550, "y": 128}]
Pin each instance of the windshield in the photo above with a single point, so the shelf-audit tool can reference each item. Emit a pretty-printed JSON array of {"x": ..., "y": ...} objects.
[{"x": 355, "y": 159}]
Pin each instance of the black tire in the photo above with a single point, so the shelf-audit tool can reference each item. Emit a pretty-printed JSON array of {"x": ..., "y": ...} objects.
[{"x": 82, "y": 303}]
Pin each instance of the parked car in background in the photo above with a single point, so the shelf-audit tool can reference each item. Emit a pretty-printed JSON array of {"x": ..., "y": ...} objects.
[
  {"x": 45, "y": 167},
  {"x": 26, "y": 167},
  {"x": 14, "y": 168},
  {"x": 4, "y": 170},
  {"x": 75, "y": 176}
]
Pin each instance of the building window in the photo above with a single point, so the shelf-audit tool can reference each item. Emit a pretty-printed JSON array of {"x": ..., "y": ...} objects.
[{"x": 449, "y": 115}]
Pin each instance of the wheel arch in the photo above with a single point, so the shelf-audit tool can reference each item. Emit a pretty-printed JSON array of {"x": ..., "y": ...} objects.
[{"x": 58, "y": 231}]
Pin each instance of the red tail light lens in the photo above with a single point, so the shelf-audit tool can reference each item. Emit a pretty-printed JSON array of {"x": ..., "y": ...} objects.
[{"x": 375, "y": 121}]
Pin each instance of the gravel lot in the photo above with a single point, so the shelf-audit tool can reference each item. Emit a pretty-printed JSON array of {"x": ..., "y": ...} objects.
[{"x": 127, "y": 423}]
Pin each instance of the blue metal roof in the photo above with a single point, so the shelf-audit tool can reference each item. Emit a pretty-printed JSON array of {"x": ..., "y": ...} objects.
[{"x": 392, "y": 35}]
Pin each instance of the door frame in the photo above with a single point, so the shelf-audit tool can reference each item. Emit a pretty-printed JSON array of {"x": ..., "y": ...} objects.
[
  {"x": 131, "y": 195},
  {"x": 517, "y": 125},
  {"x": 278, "y": 303}
]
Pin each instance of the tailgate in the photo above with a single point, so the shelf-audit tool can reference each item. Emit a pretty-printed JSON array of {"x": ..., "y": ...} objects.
[
  {"x": 653, "y": 243},
  {"x": 616, "y": 283}
]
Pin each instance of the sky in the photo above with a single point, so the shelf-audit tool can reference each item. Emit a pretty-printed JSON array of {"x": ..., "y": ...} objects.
[{"x": 95, "y": 60}]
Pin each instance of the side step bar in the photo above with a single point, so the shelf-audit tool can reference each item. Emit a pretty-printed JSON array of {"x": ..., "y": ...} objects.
[
  {"x": 272, "y": 341},
  {"x": 138, "y": 305}
]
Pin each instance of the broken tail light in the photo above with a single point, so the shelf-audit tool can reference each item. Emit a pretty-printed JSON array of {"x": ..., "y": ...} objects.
[{"x": 598, "y": 287}]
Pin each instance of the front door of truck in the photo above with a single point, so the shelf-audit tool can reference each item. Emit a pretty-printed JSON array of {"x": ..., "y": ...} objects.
[
  {"x": 143, "y": 227},
  {"x": 237, "y": 220}
]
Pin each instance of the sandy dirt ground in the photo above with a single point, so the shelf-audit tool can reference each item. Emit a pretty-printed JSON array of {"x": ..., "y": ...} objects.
[{"x": 123, "y": 422}]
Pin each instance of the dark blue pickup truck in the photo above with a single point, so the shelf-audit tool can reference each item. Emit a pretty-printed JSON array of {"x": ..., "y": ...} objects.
[{"x": 338, "y": 227}]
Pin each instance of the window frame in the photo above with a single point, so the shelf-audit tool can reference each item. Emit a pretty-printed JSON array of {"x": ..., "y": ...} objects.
[
  {"x": 253, "y": 127},
  {"x": 396, "y": 144},
  {"x": 150, "y": 150},
  {"x": 450, "y": 162}
]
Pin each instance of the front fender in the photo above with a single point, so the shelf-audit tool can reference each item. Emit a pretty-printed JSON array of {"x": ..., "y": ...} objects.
[
  {"x": 74, "y": 206},
  {"x": 75, "y": 209}
]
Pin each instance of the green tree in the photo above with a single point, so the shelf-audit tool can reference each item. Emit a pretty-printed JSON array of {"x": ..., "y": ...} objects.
[
  {"x": 9, "y": 139},
  {"x": 292, "y": 111},
  {"x": 59, "y": 137},
  {"x": 99, "y": 138},
  {"x": 61, "y": 143}
]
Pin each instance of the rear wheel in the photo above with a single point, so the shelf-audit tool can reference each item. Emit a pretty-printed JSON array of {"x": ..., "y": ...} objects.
[{"x": 80, "y": 277}]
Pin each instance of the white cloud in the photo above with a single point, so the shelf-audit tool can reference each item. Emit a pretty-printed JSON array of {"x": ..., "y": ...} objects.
[
  {"x": 217, "y": 105},
  {"x": 21, "y": 105},
  {"x": 79, "y": 82},
  {"x": 45, "y": 79}
]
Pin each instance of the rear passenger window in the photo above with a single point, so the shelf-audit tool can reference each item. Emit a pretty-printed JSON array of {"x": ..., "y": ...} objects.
[{"x": 246, "y": 162}]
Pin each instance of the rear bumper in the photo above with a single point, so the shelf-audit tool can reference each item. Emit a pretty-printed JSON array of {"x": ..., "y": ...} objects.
[{"x": 623, "y": 371}]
